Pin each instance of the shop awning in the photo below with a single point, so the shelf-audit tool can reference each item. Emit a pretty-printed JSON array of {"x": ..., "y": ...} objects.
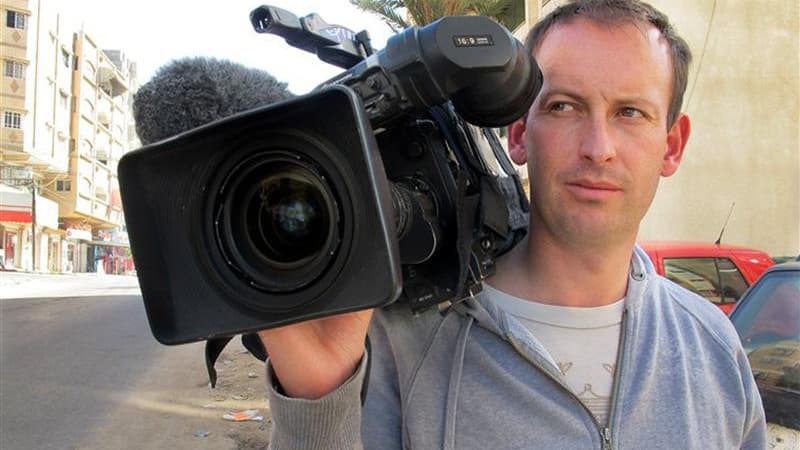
[
  {"x": 15, "y": 205},
  {"x": 110, "y": 244}
]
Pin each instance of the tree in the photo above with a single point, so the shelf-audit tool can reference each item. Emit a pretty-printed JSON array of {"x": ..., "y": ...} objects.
[{"x": 399, "y": 14}]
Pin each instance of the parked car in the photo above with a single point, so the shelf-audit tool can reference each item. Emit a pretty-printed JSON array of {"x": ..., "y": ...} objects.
[
  {"x": 719, "y": 272},
  {"x": 767, "y": 319}
]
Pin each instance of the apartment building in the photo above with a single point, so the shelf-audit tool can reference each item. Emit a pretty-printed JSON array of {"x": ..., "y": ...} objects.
[
  {"x": 34, "y": 138},
  {"x": 101, "y": 116},
  {"x": 66, "y": 123}
]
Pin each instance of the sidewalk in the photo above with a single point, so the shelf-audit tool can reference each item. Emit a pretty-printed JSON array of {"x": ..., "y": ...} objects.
[{"x": 34, "y": 284}]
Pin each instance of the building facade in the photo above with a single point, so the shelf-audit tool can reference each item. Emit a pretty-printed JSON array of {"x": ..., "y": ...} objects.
[
  {"x": 743, "y": 97},
  {"x": 67, "y": 117}
]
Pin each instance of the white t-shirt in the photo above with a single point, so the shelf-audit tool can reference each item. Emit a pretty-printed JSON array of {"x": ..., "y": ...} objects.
[{"x": 583, "y": 341}]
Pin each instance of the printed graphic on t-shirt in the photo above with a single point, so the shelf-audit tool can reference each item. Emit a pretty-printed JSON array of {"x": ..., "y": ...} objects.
[
  {"x": 582, "y": 341},
  {"x": 597, "y": 402}
]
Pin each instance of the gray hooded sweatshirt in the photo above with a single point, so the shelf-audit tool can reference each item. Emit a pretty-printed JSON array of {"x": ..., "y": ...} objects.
[{"x": 476, "y": 378}]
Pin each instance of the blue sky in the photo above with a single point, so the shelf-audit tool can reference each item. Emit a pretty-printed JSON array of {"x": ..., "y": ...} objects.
[{"x": 153, "y": 32}]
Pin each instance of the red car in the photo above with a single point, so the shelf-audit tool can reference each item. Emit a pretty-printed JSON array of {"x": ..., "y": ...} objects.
[{"x": 721, "y": 273}]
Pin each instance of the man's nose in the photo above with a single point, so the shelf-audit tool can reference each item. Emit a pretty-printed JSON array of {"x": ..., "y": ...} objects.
[{"x": 597, "y": 143}]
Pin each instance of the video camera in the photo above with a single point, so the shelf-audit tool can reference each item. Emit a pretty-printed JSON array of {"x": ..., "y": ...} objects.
[{"x": 378, "y": 186}]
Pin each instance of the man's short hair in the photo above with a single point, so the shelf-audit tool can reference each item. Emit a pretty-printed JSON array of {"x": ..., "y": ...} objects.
[{"x": 615, "y": 12}]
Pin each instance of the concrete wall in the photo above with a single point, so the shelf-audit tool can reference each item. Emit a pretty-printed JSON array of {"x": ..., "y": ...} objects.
[{"x": 744, "y": 101}]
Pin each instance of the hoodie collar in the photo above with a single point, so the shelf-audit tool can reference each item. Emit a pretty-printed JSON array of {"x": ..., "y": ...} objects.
[{"x": 487, "y": 315}]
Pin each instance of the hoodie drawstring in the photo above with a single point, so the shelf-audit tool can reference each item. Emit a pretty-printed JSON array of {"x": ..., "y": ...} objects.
[{"x": 456, "y": 369}]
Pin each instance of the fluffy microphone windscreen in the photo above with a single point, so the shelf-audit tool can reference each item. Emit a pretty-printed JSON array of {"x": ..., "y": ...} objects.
[{"x": 190, "y": 92}]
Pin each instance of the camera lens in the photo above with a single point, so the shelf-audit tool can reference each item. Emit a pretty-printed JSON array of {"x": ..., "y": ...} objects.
[
  {"x": 289, "y": 218},
  {"x": 278, "y": 221}
]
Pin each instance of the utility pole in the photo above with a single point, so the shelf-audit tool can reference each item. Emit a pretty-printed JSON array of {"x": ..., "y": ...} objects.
[{"x": 33, "y": 224}]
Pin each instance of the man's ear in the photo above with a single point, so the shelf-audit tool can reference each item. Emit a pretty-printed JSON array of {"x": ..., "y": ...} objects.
[
  {"x": 516, "y": 142},
  {"x": 676, "y": 142}
]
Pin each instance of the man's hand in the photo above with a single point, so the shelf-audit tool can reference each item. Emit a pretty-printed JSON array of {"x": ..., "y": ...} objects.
[{"x": 313, "y": 358}]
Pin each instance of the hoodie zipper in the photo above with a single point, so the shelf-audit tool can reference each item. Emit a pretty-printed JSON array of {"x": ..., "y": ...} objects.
[
  {"x": 617, "y": 377},
  {"x": 604, "y": 432}
]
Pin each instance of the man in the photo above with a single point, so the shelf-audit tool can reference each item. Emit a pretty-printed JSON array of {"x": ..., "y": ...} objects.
[{"x": 576, "y": 342}]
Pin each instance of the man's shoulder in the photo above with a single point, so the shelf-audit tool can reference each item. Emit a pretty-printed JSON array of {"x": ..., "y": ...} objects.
[
  {"x": 690, "y": 312},
  {"x": 404, "y": 328}
]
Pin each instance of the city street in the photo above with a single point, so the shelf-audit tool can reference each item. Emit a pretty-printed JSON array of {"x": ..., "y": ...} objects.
[{"x": 79, "y": 369}]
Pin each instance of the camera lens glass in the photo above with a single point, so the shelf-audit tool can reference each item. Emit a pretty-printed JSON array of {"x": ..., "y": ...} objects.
[
  {"x": 289, "y": 220},
  {"x": 279, "y": 220}
]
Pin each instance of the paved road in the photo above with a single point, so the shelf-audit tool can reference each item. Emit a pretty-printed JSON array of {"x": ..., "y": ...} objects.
[{"x": 84, "y": 372}]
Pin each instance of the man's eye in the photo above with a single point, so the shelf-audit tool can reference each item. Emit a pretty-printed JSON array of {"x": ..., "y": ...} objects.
[
  {"x": 560, "y": 107},
  {"x": 631, "y": 112}
]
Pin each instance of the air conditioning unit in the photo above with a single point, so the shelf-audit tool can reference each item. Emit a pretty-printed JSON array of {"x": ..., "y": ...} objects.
[
  {"x": 101, "y": 192},
  {"x": 101, "y": 150},
  {"x": 104, "y": 116},
  {"x": 105, "y": 72}
]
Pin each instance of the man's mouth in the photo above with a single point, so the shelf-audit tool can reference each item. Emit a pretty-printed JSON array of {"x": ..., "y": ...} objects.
[{"x": 593, "y": 189}]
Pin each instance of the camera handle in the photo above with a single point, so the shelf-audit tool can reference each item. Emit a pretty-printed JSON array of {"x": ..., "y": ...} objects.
[{"x": 333, "y": 44}]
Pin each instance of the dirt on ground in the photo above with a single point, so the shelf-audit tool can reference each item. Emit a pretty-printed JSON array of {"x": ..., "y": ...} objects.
[{"x": 241, "y": 387}]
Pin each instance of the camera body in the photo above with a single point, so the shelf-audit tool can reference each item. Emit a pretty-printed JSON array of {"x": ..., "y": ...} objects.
[{"x": 375, "y": 187}]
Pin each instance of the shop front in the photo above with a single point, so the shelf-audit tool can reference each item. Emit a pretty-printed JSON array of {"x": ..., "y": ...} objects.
[
  {"x": 110, "y": 253},
  {"x": 15, "y": 224},
  {"x": 75, "y": 249},
  {"x": 28, "y": 231}
]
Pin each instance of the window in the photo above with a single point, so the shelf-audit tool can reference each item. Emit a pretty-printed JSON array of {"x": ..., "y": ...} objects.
[
  {"x": 771, "y": 314},
  {"x": 89, "y": 69},
  {"x": 86, "y": 147},
  {"x": 12, "y": 119},
  {"x": 89, "y": 106},
  {"x": 717, "y": 279},
  {"x": 733, "y": 283},
  {"x": 85, "y": 185},
  {"x": 13, "y": 69},
  {"x": 65, "y": 58},
  {"x": 63, "y": 185},
  {"x": 698, "y": 275},
  {"x": 16, "y": 20}
]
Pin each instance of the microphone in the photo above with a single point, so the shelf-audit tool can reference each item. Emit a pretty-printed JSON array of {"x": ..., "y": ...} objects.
[{"x": 189, "y": 92}]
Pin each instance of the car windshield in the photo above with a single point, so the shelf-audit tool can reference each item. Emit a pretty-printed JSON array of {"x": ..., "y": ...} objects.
[
  {"x": 771, "y": 312},
  {"x": 768, "y": 322}
]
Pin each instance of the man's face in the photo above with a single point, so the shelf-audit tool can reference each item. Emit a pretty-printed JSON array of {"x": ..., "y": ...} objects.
[{"x": 596, "y": 139}]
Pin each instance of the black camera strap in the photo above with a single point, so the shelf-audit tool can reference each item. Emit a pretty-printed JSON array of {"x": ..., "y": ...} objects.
[
  {"x": 214, "y": 347},
  {"x": 466, "y": 211},
  {"x": 481, "y": 197}
]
